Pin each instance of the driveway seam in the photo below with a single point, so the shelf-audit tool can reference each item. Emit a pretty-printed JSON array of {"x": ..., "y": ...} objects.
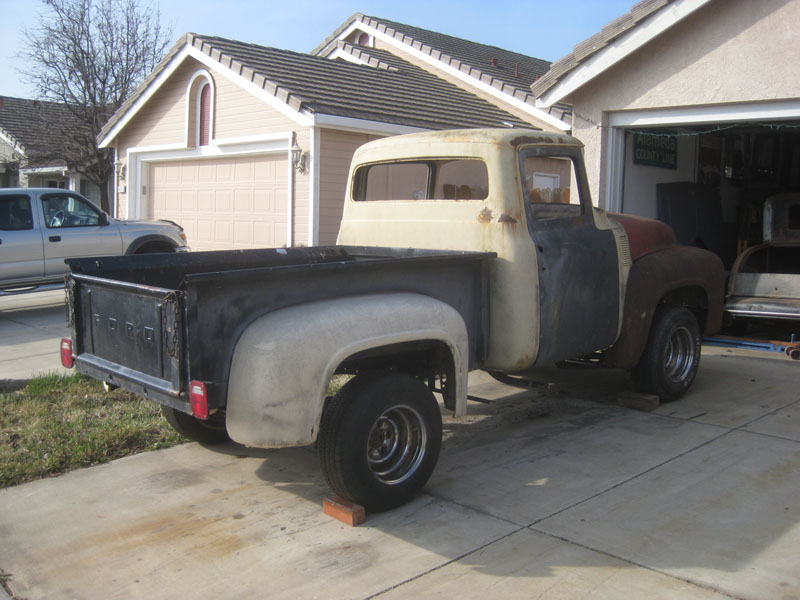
[{"x": 631, "y": 562}]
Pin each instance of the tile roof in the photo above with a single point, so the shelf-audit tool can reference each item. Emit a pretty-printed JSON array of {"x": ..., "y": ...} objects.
[
  {"x": 40, "y": 128},
  {"x": 403, "y": 94},
  {"x": 510, "y": 72},
  {"x": 591, "y": 46}
]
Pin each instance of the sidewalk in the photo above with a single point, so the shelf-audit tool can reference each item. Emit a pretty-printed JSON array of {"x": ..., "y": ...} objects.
[{"x": 31, "y": 326}]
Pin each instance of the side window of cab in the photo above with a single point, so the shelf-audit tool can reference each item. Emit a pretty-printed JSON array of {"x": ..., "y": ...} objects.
[
  {"x": 549, "y": 185},
  {"x": 62, "y": 210},
  {"x": 15, "y": 213}
]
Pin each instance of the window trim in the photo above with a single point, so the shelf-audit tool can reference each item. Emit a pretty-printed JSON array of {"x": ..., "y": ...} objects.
[{"x": 194, "y": 88}]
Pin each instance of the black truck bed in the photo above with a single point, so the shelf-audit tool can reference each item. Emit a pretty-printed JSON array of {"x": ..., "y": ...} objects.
[{"x": 151, "y": 323}]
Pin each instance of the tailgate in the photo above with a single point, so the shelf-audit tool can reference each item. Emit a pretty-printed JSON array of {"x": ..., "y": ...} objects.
[{"x": 128, "y": 334}]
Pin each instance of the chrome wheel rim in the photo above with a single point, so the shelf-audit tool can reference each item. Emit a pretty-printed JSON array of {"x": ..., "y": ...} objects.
[
  {"x": 680, "y": 354},
  {"x": 396, "y": 444}
]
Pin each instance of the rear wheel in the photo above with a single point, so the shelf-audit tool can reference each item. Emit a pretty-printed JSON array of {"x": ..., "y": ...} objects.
[
  {"x": 671, "y": 358},
  {"x": 211, "y": 431},
  {"x": 379, "y": 440}
]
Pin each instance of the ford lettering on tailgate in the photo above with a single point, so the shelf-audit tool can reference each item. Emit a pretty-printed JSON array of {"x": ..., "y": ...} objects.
[{"x": 126, "y": 330}]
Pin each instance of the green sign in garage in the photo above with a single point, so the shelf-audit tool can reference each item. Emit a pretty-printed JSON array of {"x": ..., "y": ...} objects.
[{"x": 656, "y": 149}]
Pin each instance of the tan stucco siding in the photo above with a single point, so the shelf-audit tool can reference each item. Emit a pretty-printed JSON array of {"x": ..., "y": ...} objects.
[
  {"x": 163, "y": 119},
  {"x": 337, "y": 149},
  {"x": 240, "y": 114},
  {"x": 729, "y": 51}
]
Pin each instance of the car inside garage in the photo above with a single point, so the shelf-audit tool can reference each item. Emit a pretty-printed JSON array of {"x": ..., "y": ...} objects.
[{"x": 711, "y": 182}]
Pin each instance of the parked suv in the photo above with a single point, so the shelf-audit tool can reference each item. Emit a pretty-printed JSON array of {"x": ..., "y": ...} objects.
[{"x": 40, "y": 227}]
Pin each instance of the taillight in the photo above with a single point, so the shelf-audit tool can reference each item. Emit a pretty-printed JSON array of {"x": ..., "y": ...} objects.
[
  {"x": 66, "y": 353},
  {"x": 198, "y": 398}
]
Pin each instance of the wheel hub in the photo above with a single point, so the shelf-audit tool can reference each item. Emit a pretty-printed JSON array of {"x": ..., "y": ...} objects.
[
  {"x": 680, "y": 355},
  {"x": 396, "y": 444}
]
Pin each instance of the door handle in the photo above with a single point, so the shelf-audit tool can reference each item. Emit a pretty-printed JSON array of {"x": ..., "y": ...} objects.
[{"x": 55, "y": 238}]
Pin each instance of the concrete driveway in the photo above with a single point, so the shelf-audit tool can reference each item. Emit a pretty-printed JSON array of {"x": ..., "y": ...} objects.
[
  {"x": 31, "y": 326},
  {"x": 557, "y": 495}
]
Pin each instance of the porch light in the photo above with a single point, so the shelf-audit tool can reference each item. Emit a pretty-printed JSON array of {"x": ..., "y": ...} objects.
[{"x": 298, "y": 158}]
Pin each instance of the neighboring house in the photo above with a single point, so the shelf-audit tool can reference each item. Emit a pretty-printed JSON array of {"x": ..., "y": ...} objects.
[
  {"x": 690, "y": 112},
  {"x": 32, "y": 133},
  {"x": 249, "y": 146},
  {"x": 497, "y": 75}
]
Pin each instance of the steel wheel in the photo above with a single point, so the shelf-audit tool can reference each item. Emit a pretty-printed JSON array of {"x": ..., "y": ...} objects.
[
  {"x": 680, "y": 356},
  {"x": 379, "y": 439},
  {"x": 396, "y": 444},
  {"x": 671, "y": 357}
]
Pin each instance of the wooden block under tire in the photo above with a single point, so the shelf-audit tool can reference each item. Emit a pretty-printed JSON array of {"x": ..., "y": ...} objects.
[{"x": 345, "y": 511}]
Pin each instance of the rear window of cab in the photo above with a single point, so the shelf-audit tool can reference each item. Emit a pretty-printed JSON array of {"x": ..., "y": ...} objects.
[{"x": 424, "y": 179}]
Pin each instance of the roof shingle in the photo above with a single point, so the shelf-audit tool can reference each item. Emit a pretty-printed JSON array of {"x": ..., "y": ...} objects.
[
  {"x": 511, "y": 72},
  {"x": 40, "y": 128},
  {"x": 403, "y": 94}
]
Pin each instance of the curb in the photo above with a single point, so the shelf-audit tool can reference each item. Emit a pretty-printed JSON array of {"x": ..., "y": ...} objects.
[{"x": 12, "y": 385}]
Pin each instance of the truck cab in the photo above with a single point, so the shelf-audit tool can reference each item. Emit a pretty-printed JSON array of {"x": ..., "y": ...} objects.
[{"x": 557, "y": 286}]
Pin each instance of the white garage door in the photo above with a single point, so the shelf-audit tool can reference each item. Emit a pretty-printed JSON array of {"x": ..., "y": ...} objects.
[{"x": 225, "y": 203}]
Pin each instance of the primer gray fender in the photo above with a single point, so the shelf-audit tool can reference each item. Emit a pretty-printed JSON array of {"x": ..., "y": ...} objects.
[{"x": 283, "y": 361}]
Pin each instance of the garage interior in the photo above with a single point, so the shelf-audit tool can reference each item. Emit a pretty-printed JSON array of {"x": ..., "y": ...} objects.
[{"x": 714, "y": 184}]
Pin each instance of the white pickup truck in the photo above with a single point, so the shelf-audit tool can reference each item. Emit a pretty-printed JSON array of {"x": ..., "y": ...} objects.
[
  {"x": 40, "y": 227},
  {"x": 458, "y": 250}
]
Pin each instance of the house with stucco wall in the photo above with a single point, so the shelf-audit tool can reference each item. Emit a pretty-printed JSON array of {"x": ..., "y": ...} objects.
[
  {"x": 249, "y": 146},
  {"x": 690, "y": 112}
]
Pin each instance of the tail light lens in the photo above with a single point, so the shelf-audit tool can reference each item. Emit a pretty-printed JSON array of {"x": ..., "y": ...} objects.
[
  {"x": 66, "y": 353},
  {"x": 198, "y": 398}
]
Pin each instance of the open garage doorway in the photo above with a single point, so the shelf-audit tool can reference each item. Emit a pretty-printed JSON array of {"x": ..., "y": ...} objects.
[{"x": 711, "y": 182}]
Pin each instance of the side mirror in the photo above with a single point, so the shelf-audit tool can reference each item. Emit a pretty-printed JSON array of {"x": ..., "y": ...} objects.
[{"x": 103, "y": 219}]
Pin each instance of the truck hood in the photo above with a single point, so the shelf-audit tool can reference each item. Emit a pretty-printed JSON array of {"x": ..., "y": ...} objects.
[
  {"x": 139, "y": 223},
  {"x": 644, "y": 235}
]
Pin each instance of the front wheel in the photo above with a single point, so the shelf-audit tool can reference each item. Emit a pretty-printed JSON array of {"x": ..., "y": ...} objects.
[
  {"x": 379, "y": 440},
  {"x": 211, "y": 431},
  {"x": 670, "y": 360}
]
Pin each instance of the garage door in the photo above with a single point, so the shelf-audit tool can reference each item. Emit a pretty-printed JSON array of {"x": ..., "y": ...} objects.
[{"x": 226, "y": 203}]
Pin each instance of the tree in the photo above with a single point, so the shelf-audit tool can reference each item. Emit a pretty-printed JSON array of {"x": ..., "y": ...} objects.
[{"x": 90, "y": 55}]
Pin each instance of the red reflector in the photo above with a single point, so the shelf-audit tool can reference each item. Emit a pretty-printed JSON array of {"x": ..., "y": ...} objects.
[
  {"x": 198, "y": 399},
  {"x": 66, "y": 353}
]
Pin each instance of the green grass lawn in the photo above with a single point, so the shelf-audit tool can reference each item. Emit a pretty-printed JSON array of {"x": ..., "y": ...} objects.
[{"x": 59, "y": 423}]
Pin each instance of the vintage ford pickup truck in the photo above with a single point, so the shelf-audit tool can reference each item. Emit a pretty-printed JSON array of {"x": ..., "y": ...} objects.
[{"x": 458, "y": 250}]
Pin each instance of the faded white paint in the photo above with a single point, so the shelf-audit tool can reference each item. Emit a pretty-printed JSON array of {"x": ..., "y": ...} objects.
[
  {"x": 279, "y": 348},
  {"x": 496, "y": 224}
]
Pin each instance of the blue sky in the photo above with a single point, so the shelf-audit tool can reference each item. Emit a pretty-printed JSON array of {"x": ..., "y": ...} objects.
[{"x": 545, "y": 29}]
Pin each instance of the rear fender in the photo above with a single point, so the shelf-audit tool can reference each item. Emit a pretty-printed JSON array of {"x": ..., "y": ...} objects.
[{"x": 284, "y": 360}]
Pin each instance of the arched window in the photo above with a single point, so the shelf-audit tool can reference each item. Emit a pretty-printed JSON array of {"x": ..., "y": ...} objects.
[
  {"x": 200, "y": 95},
  {"x": 204, "y": 114}
]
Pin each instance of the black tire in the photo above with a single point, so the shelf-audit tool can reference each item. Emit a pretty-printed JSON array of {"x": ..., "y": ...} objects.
[
  {"x": 211, "y": 431},
  {"x": 379, "y": 440},
  {"x": 155, "y": 248},
  {"x": 671, "y": 358}
]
